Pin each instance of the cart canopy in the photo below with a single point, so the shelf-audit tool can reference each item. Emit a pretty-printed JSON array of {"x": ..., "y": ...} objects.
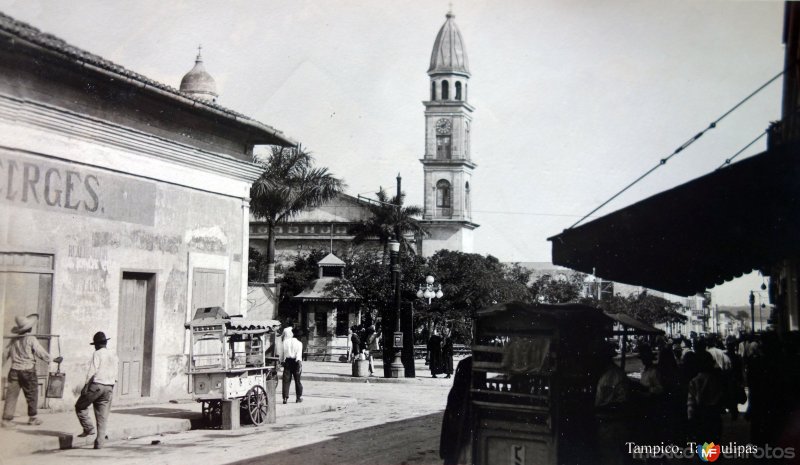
[{"x": 216, "y": 316}]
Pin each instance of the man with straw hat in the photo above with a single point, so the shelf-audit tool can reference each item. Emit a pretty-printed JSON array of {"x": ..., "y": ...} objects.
[
  {"x": 23, "y": 352},
  {"x": 98, "y": 390}
]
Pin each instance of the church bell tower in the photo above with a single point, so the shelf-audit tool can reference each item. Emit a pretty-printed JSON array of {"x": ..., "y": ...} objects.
[{"x": 447, "y": 163}]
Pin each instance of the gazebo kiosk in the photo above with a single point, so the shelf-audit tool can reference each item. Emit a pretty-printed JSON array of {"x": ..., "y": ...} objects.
[{"x": 328, "y": 307}]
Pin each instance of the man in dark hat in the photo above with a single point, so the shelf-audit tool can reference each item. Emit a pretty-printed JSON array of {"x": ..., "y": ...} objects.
[
  {"x": 23, "y": 352},
  {"x": 98, "y": 390}
]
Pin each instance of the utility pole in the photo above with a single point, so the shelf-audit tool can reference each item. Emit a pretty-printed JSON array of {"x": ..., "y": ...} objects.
[{"x": 397, "y": 341}]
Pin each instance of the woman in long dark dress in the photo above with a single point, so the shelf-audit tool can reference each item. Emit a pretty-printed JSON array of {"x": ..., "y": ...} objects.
[
  {"x": 456, "y": 437},
  {"x": 447, "y": 355},
  {"x": 435, "y": 354}
]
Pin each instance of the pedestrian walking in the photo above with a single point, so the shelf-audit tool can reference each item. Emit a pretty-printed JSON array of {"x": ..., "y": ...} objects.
[
  {"x": 734, "y": 380},
  {"x": 372, "y": 346},
  {"x": 98, "y": 390},
  {"x": 355, "y": 343},
  {"x": 706, "y": 400},
  {"x": 435, "y": 354},
  {"x": 447, "y": 354},
  {"x": 456, "y": 436},
  {"x": 23, "y": 351},
  {"x": 292, "y": 365}
]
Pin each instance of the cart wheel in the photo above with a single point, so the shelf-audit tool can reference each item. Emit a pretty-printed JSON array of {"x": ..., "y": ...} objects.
[
  {"x": 212, "y": 413},
  {"x": 255, "y": 402}
]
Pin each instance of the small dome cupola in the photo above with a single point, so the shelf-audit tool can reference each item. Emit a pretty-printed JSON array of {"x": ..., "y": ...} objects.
[
  {"x": 198, "y": 83},
  {"x": 449, "y": 55}
]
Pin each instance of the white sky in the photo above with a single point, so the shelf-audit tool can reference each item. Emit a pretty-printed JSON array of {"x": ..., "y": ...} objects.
[{"x": 574, "y": 98}]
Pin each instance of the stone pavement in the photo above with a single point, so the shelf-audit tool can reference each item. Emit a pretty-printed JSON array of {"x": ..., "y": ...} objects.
[
  {"x": 343, "y": 372},
  {"x": 60, "y": 429}
]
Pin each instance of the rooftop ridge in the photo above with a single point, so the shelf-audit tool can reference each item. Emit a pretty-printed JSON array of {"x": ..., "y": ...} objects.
[{"x": 59, "y": 46}]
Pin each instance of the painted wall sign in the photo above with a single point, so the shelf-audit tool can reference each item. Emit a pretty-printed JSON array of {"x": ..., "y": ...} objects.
[{"x": 56, "y": 186}]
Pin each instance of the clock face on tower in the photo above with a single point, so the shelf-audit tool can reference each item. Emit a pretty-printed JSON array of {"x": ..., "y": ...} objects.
[{"x": 443, "y": 126}]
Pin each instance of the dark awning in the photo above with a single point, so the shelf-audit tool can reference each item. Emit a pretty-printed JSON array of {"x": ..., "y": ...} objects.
[
  {"x": 699, "y": 234},
  {"x": 632, "y": 325}
]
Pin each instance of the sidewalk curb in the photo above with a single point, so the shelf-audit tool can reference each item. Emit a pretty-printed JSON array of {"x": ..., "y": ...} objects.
[
  {"x": 376, "y": 379},
  {"x": 24, "y": 440}
]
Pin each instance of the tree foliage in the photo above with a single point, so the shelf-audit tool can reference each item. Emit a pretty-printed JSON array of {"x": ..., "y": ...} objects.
[
  {"x": 644, "y": 307},
  {"x": 389, "y": 219},
  {"x": 372, "y": 280},
  {"x": 561, "y": 288},
  {"x": 256, "y": 267},
  {"x": 469, "y": 282},
  {"x": 289, "y": 184},
  {"x": 304, "y": 270}
]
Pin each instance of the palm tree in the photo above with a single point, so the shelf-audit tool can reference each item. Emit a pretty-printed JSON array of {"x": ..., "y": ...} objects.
[
  {"x": 389, "y": 220},
  {"x": 289, "y": 184}
]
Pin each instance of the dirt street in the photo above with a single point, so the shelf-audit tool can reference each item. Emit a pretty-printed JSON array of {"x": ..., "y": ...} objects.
[{"x": 391, "y": 424}]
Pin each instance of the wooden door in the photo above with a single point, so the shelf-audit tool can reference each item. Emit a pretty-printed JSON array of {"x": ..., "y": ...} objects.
[
  {"x": 131, "y": 334},
  {"x": 23, "y": 293},
  {"x": 208, "y": 288}
]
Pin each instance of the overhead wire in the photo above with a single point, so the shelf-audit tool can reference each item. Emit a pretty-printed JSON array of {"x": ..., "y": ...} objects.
[
  {"x": 683, "y": 146},
  {"x": 729, "y": 160}
]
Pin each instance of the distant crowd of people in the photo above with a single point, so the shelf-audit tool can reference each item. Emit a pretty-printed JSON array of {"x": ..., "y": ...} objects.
[
  {"x": 682, "y": 393},
  {"x": 688, "y": 384}
]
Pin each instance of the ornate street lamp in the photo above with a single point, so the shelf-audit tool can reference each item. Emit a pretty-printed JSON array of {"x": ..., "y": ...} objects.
[
  {"x": 430, "y": 290},
  {"x": 397, "y": 340}
]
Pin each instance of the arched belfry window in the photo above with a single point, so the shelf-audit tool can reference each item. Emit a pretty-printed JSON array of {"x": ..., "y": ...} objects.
[
  {"x": 458, "y": 90},
  {"x": 445, "y": 90},
  {"x": 433, "y": 91},
  {"x": 444, "y": 201}
]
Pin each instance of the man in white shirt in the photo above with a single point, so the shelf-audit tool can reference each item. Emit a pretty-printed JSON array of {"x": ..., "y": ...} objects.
[
  {"x": 98, "y": 390},
  {"x": 292, "y": 365},
  {"x": 721, "y": 359}
]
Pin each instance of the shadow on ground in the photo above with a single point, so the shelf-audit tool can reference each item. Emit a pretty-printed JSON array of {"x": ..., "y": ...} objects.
[
  {"x": 64, "y": 439},
  {"x": 413, "y": 442},
  {"x": 160, "y": 412}
]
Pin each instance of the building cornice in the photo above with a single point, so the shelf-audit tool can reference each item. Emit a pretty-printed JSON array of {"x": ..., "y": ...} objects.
[
  {"x": 444, "y": 222},
  {"x": 448, "y": 163},
  {"x": 447, "y": 104},
  {"x": 68, "y": 123}
]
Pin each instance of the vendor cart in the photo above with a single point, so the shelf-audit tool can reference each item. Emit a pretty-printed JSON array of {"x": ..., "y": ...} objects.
[
  {"x": 534, "y": 373},
  {"x": 232, "y": 368}
]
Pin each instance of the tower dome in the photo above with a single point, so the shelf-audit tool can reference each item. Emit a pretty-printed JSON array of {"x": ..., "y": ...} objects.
[
  {"x": 198, "y": 83},
  {"x": 449, "y": 55}
]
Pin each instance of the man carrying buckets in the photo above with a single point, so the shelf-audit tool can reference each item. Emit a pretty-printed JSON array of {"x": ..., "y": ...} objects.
[{"x": 23, "y": 352}]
